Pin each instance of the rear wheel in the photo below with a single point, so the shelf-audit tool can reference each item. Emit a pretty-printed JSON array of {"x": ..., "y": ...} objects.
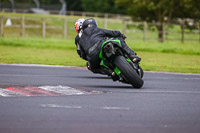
[{"x": 128, "y": 72}]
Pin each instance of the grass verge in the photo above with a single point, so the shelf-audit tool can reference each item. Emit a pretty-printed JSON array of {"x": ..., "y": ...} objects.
[{"x": 164, "y": 62}]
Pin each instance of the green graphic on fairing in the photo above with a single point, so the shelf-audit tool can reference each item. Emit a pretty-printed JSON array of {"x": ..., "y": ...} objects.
[
  {"x": 128, "y": 60},
  {"x": 116, "y": 70},
  {"x": 102, "y": 64},
  {"x": 101, "y": 52}
]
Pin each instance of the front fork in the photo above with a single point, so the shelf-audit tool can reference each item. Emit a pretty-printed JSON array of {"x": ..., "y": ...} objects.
[{"x": 136, "y": 67}]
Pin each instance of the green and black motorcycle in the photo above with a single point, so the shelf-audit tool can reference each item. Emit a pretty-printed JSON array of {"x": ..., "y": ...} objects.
[{"x": 114, "y": 57}]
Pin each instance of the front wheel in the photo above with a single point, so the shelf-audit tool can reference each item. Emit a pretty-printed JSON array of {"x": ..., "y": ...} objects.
[
  {"x": 141, "y": 72},
  {"x": 128, "y": 72}
]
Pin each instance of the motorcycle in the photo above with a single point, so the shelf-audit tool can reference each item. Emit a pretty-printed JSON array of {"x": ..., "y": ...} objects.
[{"x": 114, "y": 57}]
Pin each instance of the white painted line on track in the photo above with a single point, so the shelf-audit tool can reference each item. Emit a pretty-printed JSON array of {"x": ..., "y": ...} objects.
[
  {"x": 81, "y": 107},
  {"x": 3, "y": 93},
  {"x": 44, "y": 91},
  {"x": 115, "y": 108},
  {"x": 39, "y": 65},
  {"x": 174, "y": 73},
  {"x": 177, "y": 78},
  {"x": 178, "y": 92},
  {"x": 60, "y": 106},
  {"x": 65, "y": 90},
  {"x": 23, "y": 75},
  {"x": 8, "y": 93}
]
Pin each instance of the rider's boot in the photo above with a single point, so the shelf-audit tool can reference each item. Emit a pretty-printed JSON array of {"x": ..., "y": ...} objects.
[
  {"x": 132, "y": 55},
  {"x": 135, "y": 58},
  {"x": 103, "y": 70}
]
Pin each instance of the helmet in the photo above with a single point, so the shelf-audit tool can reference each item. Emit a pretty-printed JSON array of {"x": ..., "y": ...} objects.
[
  {"x": 78, "y": 25},
  {"x": 90, "y": 22}
]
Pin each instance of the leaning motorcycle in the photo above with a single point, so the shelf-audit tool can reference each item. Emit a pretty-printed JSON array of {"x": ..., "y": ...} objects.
[{"x": 114, "y": 57}]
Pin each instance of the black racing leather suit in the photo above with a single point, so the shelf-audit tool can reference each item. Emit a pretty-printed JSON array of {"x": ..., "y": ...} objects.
[{"x": 80, "y": 52}]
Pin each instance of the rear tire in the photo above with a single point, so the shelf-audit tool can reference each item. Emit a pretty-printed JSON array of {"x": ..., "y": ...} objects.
[{"x": 128, "y": 72}]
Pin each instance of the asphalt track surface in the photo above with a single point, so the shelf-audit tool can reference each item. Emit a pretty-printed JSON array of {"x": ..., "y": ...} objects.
[{"x": 167, "y": 103}]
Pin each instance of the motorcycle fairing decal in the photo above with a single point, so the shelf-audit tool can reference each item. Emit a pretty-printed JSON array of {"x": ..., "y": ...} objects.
[
  {"x": 117, "y": 71},
  {"x": 102, "y": 64},
  {"x": 101, "y": 52},
  {"x": 128, "y": 60}
]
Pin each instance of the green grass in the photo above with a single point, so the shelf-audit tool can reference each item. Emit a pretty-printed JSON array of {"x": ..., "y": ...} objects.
[
  {"x": 25, "y": 55},
  {"x": 155, "y": 56},
  {"x": 50, "y": 43},
  {"x": 188, "y": 48},
  {"x": 169, "y": 62}
]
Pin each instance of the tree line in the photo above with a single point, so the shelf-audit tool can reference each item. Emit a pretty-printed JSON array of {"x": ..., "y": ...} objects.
[
  {"x": 161, "y": 11},
  {"x": 101, "y": 6},
  {"x": 146, "y": 10},
  {"x": 142, "y": 9}
]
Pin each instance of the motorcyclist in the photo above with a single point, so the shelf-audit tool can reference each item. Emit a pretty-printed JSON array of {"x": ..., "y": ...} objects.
[{"x": 90, "y": 42}]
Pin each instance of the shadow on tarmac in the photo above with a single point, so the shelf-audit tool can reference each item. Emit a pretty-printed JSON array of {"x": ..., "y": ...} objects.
[
  {"x": 113, "y": 87},
  {"x": 93, "y": 77}
]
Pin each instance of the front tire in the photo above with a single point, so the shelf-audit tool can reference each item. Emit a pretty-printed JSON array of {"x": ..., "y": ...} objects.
[{"x": 128, "y": 72}]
